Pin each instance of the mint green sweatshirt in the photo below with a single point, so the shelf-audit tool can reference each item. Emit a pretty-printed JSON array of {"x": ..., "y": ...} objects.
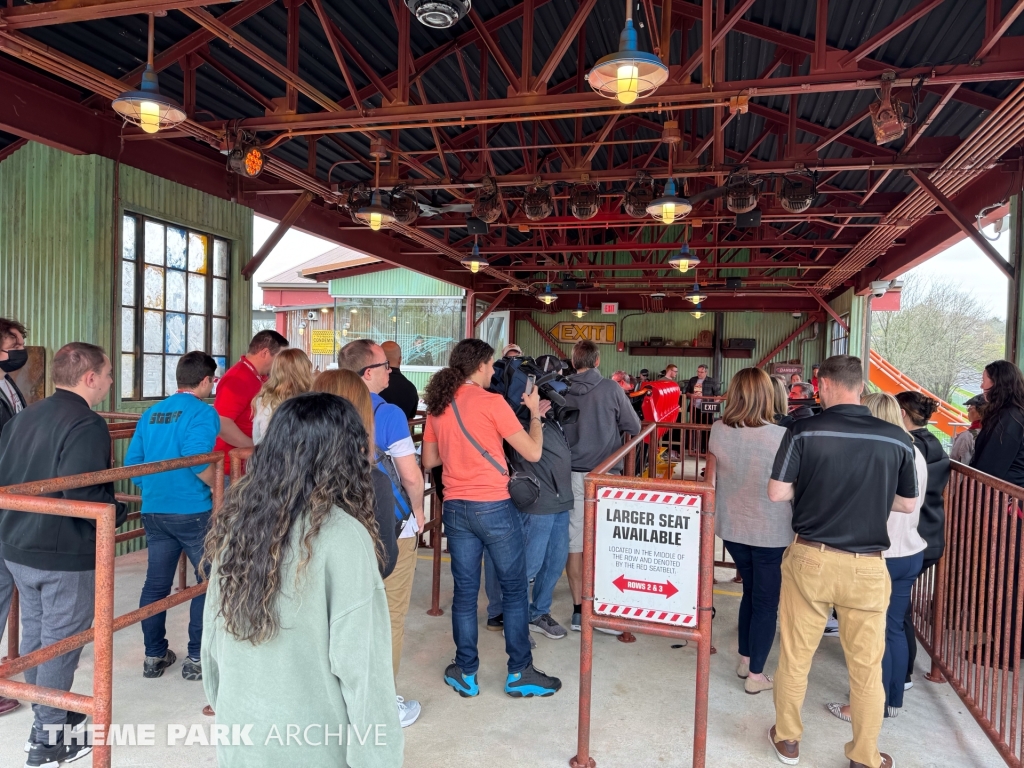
[{"x": 325, "y": 678}]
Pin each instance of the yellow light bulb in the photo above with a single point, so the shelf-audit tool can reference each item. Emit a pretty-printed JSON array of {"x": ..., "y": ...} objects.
[
  {"x": 627, "y": 83},
  {"x": 474, "y": 267},
  {"x": 668, "y": 213},
  {"x": 698, "y": 315},
  {"x": 149, "y": 116},
  {"x": 684, "y": 264},
  {"x": 375, "y": 221}
]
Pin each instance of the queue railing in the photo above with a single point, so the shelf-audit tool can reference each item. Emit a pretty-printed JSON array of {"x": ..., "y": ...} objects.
[
  {"x": 27, "y": 497},
  {"x": 967, "y": 609}
]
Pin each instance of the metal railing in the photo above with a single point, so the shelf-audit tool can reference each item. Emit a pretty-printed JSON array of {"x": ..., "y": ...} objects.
[
  {"x": 26, "y": 497},
  {"x": 967, "y": 609}
]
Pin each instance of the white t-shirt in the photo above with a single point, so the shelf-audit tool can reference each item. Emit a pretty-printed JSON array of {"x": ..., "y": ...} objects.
[{"x": 904, "y": 540}]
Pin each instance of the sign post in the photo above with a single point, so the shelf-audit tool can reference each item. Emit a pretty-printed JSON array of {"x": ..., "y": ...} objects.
[{"x": 648, "y": 567}]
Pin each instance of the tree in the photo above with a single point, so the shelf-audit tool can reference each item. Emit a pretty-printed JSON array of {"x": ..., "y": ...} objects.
[{"x": 941, "y": 337}]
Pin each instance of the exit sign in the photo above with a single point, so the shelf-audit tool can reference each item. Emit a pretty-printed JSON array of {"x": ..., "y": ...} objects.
[{"x": 610, "y": 308}]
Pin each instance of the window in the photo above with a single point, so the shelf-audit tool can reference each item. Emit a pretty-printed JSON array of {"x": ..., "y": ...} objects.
[
  {"x": 174, "y": 299},
  {"x": 840, "y": 337}
]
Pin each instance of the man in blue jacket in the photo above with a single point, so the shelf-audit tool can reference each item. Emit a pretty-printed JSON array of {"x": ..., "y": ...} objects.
[{"x": 176, "y": 505}]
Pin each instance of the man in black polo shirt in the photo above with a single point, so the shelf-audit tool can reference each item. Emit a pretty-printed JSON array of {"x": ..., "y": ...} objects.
[{"x": 844, "y": 470}]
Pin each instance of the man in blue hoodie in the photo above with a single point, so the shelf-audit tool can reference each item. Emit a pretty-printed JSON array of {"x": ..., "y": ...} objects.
[{"x": 176, "y": 505}]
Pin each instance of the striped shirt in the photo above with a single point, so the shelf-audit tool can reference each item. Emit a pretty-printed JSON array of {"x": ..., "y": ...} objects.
[{"x": 847, "y": 467}]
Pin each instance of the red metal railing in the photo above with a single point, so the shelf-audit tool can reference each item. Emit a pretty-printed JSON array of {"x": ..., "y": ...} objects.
[
  {"x": 25, "y": 497},
  {"x": 968, "y": 608},
  {"x": 701, "y": 634}
]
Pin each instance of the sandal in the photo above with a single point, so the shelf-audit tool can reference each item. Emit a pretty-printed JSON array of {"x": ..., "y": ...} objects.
[{"x": 837, "y": 710}]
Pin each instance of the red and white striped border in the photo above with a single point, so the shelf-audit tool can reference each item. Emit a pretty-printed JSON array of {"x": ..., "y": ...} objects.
[
  {"x": 664, "y": 617},
  {"x": 621, "y": 494}
]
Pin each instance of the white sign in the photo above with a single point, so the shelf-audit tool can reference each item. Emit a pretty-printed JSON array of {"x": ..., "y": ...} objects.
[
  {"x": 648, "y": 555},
  {"x": 610, "y": 308}
]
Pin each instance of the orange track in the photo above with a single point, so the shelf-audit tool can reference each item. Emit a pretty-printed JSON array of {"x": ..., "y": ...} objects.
[{"x": 889, "y": 379}]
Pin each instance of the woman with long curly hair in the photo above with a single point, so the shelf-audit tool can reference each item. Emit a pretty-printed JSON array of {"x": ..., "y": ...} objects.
[
  {"x": 348, "y": 385},
  {"x": 465, "y": 429},
  {"x": 999, "y": 447},
  {"x": 297, "y": 627},
  {"x": 291, "y": 374}
]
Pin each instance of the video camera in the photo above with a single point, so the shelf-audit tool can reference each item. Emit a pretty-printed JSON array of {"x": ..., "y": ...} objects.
[{"x": 510, "y": 377}]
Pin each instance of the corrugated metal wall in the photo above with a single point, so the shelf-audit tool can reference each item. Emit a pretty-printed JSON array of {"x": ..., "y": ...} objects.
[
  {"x": 766, "y": 328},
  {"x": 391, "y": 283}
]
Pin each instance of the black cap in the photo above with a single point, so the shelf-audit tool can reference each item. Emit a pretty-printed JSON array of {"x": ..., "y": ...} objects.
[{"x": 976, "y": 402}]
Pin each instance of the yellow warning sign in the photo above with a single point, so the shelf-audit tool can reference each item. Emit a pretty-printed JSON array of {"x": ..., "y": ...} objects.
[
  {"x": 599, "y": 333},
  {"x": 323, "y": 343}
]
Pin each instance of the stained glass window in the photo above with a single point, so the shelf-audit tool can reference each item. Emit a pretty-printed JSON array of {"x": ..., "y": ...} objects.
[{"x": 171, "y": 302}]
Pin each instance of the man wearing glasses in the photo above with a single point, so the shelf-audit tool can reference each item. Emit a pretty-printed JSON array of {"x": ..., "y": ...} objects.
[{"x": 392, "y": 436}]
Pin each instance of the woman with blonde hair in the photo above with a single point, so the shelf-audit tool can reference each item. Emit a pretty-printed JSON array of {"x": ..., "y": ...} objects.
[
  {"x": 291, "y": 374},
  {"x": 348, "y": 385},
  {"x": 756, "y": 531},
  {"x": 780, "y": 399},
  {"x": 903, "y": 560}
]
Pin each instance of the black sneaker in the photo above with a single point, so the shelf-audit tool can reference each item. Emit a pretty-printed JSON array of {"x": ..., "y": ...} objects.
[
  {"x": 155, "y": 665},
  {"x": 42, "y": 755},
  {"x": 496, "y": 623},
  {"x": 531, "y": 682},
  {"x": 76, "y": 724},
  {"x": 465, "y": 684},
  {"x": 192, "y": 669}
]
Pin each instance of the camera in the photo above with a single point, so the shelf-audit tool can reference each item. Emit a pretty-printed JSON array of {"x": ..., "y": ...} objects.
[
  {"x": 879, "y": 287},
  {"x": 512, "y": 375}
]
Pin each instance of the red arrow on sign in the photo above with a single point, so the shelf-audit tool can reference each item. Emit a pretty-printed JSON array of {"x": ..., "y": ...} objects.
[{"x": 653, "y": 587}]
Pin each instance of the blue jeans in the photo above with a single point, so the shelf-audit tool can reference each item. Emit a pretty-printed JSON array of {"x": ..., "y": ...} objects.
[
  {"x": 903, "y": 572},
  {"x": 761, "y": 570},
  {"x": 547, "y": 549},
  {"x": 167, "y": 535},
  {"x": 472, "y": 528}
]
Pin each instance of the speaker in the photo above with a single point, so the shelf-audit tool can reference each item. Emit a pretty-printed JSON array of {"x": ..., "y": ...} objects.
[
  {"x": 749, "y": 219},
  {"x": 476, "y": 226},
  {"x": 734, "y": 283}
]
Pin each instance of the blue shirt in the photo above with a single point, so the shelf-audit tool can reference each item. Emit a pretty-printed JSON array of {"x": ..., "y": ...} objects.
[
  {"x": 182, "y": 425},
  {"x": 392, "y": 436}
]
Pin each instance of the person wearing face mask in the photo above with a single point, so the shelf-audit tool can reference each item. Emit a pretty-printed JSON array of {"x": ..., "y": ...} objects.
[{"x": 12, "y": 358}]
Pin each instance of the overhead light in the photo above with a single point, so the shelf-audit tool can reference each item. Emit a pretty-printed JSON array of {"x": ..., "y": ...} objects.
[
  {"x": 684, "y": 260},
  {"x": 438, "y": 14},
  {"x": 549, "y": 296},
  {"x": 376, "y": 214},
  {"x": 475, "y": 261},
  {"x": 147, "y": 107},
  {"x": 487, "y": 204},
  {"x": 698, "y": 312},
  {"x": 797, "y": 192},
  {"x": 537, "y": 203},
  {"x": 584, "y": 202},
  {"x": 580, "y": 312},
  {"x": 669, "y": 207},
  {"x": 354, "y": 311},
  {"x": 741, "y": 195},
  {"x": 887, "y": 113},
  {"x": 639, "y": 196},
  {"x": 629, "y": 74},
  {"x": 246, "y": 158},
  {"x": 695, "y": 296}
]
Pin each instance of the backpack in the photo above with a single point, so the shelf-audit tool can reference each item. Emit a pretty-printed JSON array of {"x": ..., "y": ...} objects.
[{"x": 386, "y": 464}]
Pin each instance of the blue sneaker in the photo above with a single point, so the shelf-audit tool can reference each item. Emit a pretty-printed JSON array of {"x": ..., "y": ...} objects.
[
  {"x": 531, "y": 682},
  {"x": 464, "y": 684}
]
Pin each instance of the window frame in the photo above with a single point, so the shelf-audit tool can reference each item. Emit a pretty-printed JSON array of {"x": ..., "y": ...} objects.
[
  {"x": 839, "y": 337},
  {"x": 139, "y": 307}
]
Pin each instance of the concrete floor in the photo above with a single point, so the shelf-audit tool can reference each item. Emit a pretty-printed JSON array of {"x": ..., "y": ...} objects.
[{"x": 643, "y": 701}]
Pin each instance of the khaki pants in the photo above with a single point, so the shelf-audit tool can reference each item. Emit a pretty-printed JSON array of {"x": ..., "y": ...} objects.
[
  {"x": 398, "y": 587},
  {"x": 813, "y": 581}
]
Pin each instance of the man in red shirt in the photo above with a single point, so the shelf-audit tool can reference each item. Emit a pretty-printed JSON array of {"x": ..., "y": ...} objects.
[{"x": 237, "y": 388}]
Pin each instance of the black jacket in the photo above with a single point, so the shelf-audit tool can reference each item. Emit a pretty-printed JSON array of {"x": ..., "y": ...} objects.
[
  {"x": 932, "y": 524},
  {"x": 55, "y": 437},
  {"x": 711, "y": 388},
  {"x": 791, "y": 418},
  {"x": 553, "y": 471},
  {"x": 401, "y": 392},
  {"x": 6, "y": 409},
  {"x": 384, "y": 512},
  {"x": 999, "y": 448}
]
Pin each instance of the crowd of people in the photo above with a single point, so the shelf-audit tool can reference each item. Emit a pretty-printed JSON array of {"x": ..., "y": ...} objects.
[{"x": 311, "y": 559}]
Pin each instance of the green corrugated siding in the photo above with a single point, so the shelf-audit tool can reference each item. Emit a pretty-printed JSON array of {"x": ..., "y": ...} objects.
[
  {"x": 766, "y": 328},
  {"x": 391, "y": 283}
]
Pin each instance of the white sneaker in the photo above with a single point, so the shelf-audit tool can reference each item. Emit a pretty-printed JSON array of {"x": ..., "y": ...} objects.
[
  {"x": 608, "y": 631},
  {"x": 908, "y": 686},
  {"x": 832, "y": 627},
  {"x": 408, "y": 711}
]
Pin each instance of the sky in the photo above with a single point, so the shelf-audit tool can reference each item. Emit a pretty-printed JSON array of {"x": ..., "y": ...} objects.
[{"x": 964, "y": 262}]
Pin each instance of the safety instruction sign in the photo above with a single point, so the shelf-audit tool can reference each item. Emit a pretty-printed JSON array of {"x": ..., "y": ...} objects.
[
  {"x": 648, "y": 555},
  {"x": 323, "y": 342}
]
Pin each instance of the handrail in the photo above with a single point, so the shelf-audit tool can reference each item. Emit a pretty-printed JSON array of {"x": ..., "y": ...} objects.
[
  {"x": 627, "y": 448},
  {"x": 119, "y": 415},
  {"x": 948, "y": 414}
]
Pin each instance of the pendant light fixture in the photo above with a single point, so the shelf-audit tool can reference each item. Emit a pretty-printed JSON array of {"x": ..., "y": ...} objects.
[
  {"x": 669, "y": 207},
  {"x": 684, "y": 260},
  {"x": 698, "y": 312},
  {"x": 696, "y": 296},
  {"x": 475, "y": 261},
  {"x": 549, "y": 296},
  {"x": 147, "y": 107},
  {"x": 629, "y": 74},
  {"x": 579, "y": 312},
  {"x": 376, "y": 214}
]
